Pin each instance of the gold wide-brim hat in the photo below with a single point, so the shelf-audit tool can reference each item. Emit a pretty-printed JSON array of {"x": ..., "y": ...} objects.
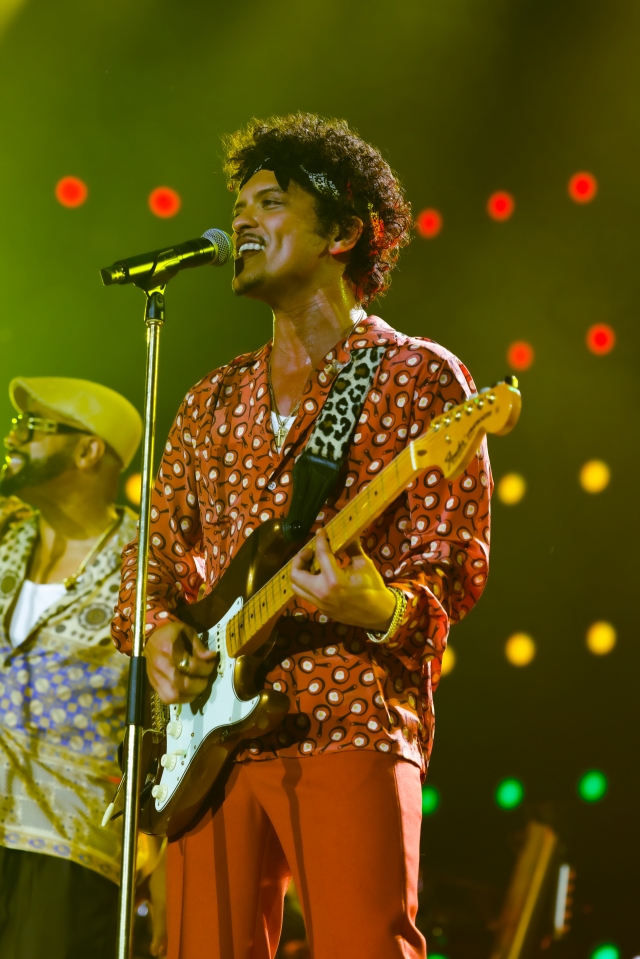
[{"x": 89, "y": 406}]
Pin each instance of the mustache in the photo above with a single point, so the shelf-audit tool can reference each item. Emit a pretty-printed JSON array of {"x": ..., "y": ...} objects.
[
  {"x": 32, "y": 472},
  {"x": 243, "y": 238}
]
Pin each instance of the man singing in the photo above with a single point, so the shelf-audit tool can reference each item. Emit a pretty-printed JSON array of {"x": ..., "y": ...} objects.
[
  {"x": 332, "y": 796},
  {"x": 62, "y": 685}
]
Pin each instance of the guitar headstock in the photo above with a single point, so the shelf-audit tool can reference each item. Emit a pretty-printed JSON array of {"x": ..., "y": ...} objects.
[{"x": 453, "y": 438}]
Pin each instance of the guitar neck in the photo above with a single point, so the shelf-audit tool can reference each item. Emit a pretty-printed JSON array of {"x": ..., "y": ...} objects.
[
  {"x": 343, "y": 529},
  {"x": 449, "y": 444}
]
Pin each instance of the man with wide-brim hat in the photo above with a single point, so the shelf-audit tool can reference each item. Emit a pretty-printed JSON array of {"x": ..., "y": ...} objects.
[{"x": 62, "y": 683}]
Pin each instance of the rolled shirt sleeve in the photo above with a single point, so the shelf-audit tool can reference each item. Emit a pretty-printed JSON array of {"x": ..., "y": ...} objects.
[{"x": 444, "y": 568}]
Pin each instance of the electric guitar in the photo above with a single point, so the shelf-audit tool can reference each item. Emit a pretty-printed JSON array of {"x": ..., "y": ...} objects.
[{"x": 190, "y": 744}]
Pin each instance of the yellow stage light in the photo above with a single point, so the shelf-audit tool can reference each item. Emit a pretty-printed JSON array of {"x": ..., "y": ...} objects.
[
  {"x": 601, "y": 638},
  {"x": 520, "y": 649},
  {"x": 132, "y": 488},
  {"x": 448, "y": 660},
  {"x": 595, "y": 476},
  {"x": 511, "y": 488}
]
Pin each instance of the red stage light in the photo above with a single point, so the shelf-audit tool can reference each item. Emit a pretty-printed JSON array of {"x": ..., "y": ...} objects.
[
  {"x": 601, "y": 339},
  {"x": 520, "y": 355},
  {"x": 429, "y": 224},
  {"x": 70, "y": 191},
  {"x": 165, "y": 202},
  {"x": 582, "y": 187},
  {"x": 500, "y": 205}
]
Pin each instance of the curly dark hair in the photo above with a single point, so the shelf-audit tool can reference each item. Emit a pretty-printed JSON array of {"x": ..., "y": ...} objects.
[{"x": 366, "y": 184}]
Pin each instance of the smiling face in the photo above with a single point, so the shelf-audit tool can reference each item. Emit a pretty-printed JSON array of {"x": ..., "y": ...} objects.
[{"x": 278, "y": 247}]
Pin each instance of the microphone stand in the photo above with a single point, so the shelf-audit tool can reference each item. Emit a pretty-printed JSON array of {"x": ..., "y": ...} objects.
[
  {"x": 151, "y": 273},
  {"x": 154, "y": 318}
]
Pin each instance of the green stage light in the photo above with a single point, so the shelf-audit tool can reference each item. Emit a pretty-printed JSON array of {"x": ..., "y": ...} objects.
[
  {"x": 430, "y": 800},
  {"x": 438, "y": 955},
  {"x": 509, "y": 793},
  {"x": 592, "y": 787},
  {"x": 606, "y": 951}
]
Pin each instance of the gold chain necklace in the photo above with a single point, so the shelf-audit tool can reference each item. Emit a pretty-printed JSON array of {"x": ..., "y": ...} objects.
[
  {"x": 70, "y": 582},
  {"x": 281, "y": 433}
]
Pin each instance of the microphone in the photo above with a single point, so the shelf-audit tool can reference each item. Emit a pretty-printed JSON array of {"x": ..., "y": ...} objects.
[{"x": 212, "y": 248}]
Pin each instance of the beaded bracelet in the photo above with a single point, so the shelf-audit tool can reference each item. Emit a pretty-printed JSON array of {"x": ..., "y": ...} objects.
[{"x": 398, "y": 615}]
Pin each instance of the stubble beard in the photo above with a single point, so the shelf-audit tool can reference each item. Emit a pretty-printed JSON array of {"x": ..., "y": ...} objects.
[
  {"x": 246, "y": 286},
  {"x": 243, "y": 284},
  {"x": 34, "y": 472}
]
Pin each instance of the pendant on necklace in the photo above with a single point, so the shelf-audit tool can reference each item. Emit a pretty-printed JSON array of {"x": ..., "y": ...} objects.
[{"x": 280, "y": 437}]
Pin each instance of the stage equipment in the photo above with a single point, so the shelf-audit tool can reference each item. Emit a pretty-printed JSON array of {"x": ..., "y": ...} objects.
[
  {"x": 150, "y": 273},
  {"x": 194, "y": 741},
  {"x": 213, "y": 248},
  {"x": 537, "y": 870}
]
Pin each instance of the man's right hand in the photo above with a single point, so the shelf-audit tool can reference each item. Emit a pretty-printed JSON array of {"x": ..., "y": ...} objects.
[{"x": 178, "y": 665}]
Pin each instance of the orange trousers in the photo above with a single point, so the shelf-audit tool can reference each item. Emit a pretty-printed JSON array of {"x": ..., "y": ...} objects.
[{"x": 346, "y": 827}]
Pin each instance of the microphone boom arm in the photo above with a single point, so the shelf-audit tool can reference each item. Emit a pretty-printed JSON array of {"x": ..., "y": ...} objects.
[{"x": 152, "y": 270}]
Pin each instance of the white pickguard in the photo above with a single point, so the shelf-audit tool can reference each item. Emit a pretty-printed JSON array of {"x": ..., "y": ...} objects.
[{"x": 186, "y": 730}]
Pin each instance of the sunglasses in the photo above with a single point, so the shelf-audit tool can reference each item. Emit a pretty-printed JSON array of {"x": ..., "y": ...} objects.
[{"x": 23, "y": 427}]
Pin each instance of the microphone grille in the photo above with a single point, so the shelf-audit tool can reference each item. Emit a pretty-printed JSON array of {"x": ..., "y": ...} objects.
[{"x": 223, "y": 241}]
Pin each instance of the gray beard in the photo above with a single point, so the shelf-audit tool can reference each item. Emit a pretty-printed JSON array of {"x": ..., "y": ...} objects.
[{"x": 34, "y": 473}]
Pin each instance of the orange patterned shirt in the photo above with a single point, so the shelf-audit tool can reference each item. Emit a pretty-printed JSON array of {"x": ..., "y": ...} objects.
[{"x": 221, "y": 476}]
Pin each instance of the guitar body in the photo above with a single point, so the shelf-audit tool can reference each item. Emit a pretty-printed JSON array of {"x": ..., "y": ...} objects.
[{"x": 200, "y": 736}]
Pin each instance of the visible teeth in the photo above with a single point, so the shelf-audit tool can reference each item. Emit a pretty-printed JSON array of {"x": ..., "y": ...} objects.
[{"x": 249, "y": 246}]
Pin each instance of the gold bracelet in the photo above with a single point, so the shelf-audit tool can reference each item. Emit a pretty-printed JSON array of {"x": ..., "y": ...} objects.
[{"x": 398, "y": 615}]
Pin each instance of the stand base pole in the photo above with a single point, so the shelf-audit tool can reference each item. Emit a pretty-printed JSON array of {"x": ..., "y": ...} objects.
[
  {"x": 154, "y": 317},
  {"x": 126, "y": 901}
]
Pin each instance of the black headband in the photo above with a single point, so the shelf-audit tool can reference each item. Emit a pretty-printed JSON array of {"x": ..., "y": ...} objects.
[{"x": 284, "y": 172}]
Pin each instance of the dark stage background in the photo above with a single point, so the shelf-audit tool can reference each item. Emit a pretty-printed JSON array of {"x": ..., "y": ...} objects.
[{"x": 465, "y": 98}]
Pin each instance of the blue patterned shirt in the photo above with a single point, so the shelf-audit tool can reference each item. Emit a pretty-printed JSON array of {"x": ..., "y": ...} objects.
[{"x": 62, "y": 706}]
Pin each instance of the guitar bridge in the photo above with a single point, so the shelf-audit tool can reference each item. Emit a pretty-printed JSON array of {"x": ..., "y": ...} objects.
[{"x": 159, "y": 718}]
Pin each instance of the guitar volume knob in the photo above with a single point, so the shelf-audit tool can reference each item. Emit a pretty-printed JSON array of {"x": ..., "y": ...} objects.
[{"x": 174, "y": 728}]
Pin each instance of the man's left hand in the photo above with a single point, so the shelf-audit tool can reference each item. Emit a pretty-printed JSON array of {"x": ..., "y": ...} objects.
[{"x": 355, "y": 593}]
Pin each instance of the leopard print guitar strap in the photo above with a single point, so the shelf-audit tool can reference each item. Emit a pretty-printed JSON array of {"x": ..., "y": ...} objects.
[{"x": 318, "y": 466}]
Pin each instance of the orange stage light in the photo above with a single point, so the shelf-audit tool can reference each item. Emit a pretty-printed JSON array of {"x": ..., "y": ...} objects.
[
  {"x": 71, "y": 192},
  {"x": 601, "y": 339},
  {"x": 164, "y": 202},
  {"x": 429, "y": 224},
  {"x": 500, "y": 205},
  {"x": 582, "y": 187},
  {"x": 520, "y": 355}
]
